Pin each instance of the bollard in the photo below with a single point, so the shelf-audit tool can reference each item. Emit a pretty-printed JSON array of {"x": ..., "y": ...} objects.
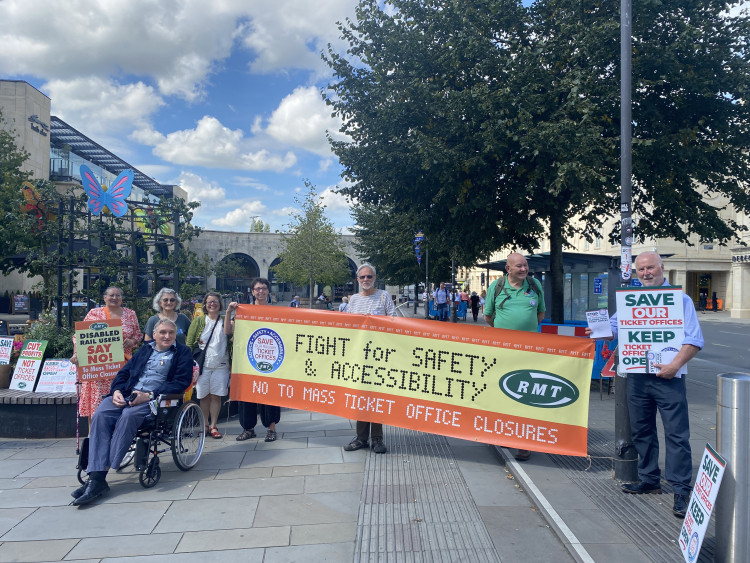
[{"x": 733, "y": 443}]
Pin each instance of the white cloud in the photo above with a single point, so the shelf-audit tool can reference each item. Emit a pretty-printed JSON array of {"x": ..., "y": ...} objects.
[
  {"x": 335, "y": 203},
  {"x": 101, "y": 107},
  {"x": 285, "y": 211},
  {"x": 242, "y": 216},
  {"x": 290, "y": 34},
  {"x": 201, "y": 190},
  {"x": 301, "y": 120},
  {"x": 213, "y": 145},
  {"x": 171, "y": 41}
]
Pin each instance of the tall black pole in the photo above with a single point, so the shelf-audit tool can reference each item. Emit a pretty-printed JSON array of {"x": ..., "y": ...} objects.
[{"x": 626, "y": 468}]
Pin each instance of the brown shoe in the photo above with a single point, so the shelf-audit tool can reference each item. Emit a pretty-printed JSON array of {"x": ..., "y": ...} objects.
[{"x": 523, "y": 455}]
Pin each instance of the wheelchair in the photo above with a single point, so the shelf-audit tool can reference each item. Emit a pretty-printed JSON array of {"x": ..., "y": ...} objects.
[{"x": 177, "y": 426}]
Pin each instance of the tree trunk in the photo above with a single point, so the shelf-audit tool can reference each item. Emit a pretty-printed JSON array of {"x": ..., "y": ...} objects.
[{"x": 557, "y": 273}]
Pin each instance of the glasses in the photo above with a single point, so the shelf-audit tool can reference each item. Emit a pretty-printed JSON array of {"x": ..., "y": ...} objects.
[
  {"x": 169, "y": 300},
  {"x": 114, "y": 296},
  {"x": 260, "y": 289},
  {"x": 366, "y": 277},
  {"x": 211, "y": 303}
]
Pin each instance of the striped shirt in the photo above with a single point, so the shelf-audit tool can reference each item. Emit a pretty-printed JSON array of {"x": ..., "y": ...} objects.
[{"x": 379, "y": 303}]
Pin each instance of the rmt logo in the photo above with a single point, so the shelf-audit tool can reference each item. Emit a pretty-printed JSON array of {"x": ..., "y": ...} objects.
[{"x": 539, "y": 388}]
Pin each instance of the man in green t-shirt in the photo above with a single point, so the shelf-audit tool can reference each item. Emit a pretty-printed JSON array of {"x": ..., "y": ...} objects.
[{"x": 517, "y": 305}]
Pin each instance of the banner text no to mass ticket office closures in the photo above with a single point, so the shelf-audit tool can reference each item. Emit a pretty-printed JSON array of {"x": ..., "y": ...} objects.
[{"x": 511, "y": 388}]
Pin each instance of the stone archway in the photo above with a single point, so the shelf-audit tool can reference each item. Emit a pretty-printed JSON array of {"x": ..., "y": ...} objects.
[{"x": 234, "y": 273}]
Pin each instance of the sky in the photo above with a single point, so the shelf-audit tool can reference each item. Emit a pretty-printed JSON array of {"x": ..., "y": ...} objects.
[{"x": 221, "y": 98}]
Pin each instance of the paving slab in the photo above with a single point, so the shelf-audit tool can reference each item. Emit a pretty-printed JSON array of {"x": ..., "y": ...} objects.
[
  {"x": 293, "y": 457},
  {"x": 221, "y": 460},
  {"x": 340, "y": 532},
  {"x": 244, "y": 555},
  {"x": 230, "y": 488},
  {"x": 337, "y": 552},
  {"x": 296, "y": 470},
  {"x": 94, "y": 520},
  {"x": 34, "y": 498},
  {"x": 245, "y": 473},
  {"x": 346, "y": 467},
  {"x": 44, "y": 550},
  {"x": 333, "y": 483},
  {"x": 208, "y": 514},
  {"x": 217, "y": 540},
  {"x": 282, "y": 444},
  {"x": 317, "y": 508},
  {"x": 130, "y": 546},
  {"x": 11, "y": 468},
  {"x": 45, "y": 453},
  {"x": 14, "y": 483},
  {"x": 47, "y": 467},
  {"x": 9, "y": 517}
]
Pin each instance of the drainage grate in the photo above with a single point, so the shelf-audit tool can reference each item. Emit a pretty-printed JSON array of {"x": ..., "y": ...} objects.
[{"x": 416, "y": 506}]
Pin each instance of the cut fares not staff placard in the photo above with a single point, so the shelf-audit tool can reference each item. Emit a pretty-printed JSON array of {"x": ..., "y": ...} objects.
[
  {"x": 517, "y": 389},
  {"x": 650, "y": 327},
  {"x": 99, "y": 349}
]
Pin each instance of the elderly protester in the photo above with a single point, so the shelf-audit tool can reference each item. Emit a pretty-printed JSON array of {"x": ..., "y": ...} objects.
[
  {"x": 167, "y": 303},
  {"x": 206, "y": 333},
  {"x": 369, "y": 301},
  {"x": 92, "y": 392}
]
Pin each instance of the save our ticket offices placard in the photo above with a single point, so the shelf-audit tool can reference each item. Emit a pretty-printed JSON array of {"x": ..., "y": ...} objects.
[
  {"x": 650, "y": 327},
  {"x": 99, "y": 349},
  {"x": 513, "y": 388}
]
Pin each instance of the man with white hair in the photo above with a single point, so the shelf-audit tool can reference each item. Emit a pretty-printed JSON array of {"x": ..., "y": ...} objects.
[
  {"x": 664, "y": 392},
  {"x": 369, "y": 301}
]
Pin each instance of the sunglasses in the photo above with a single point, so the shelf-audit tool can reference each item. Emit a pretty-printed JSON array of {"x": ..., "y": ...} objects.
[
  {"x": 260, "y": 289},
  {"x": 366, "y": 277}
]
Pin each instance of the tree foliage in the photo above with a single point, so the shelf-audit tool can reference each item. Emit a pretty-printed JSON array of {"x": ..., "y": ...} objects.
[
  {"x": 312, "y": 251},
  {"x": 497, "y": 125},
  {"x": 385, "y": 238}
]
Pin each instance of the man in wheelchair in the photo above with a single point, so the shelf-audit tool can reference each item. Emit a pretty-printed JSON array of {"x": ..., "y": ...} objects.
[{"x": 160, "y": 366}]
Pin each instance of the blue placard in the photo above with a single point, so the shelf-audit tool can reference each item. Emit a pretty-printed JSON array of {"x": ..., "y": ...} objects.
[{"x": 635, "y": 282}]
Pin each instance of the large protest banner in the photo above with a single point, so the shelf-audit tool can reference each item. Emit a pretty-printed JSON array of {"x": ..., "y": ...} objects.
[
  {"x": 99, "y": 349},
  {"x": 650, "y": 327},
  {"x": 517, "y": 389}
]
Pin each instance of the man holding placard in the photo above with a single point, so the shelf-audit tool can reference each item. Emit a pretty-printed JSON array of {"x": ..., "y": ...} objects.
[{"x": 661, "y": 334}]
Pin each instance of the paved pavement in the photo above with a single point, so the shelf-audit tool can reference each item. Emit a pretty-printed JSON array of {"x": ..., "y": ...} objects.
[{"x": 302, "y": 498}]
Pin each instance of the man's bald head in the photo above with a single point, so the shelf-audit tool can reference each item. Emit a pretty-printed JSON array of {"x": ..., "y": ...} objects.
[{"x": 517, "y": 268}]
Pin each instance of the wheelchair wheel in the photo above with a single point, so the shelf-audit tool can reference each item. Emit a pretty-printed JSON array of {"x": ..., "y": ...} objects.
[
  {"x": 189, "y": 434},
  {"x": 150, "y": 474},
  {"x": 127, "y": 459},
  {"x": 82, "y": 476}
]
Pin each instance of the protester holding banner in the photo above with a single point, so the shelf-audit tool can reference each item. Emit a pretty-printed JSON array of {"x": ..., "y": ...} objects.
[
  {"x": 92, "y": 392},
  {"x": 206, "y": 332},
  {"x": 161, "y": 366},
  {"x": 370, "y": 301},
  {"x": 664, "y": 392},
  {"x": 270, "y": 415},
  {"x": 515, "y": 302},
  {"x": 167, "y": 303},
  {"x": 442, "y": 302}
]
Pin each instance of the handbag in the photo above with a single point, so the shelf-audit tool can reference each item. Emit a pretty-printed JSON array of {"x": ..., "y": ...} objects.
[{"x": 199, "y": 355}]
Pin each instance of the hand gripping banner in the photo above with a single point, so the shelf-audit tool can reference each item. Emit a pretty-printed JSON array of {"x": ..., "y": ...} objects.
[{"x": 515, "y": 389}]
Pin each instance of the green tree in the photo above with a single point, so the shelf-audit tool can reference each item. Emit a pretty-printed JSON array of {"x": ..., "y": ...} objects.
[
  {"x": 312, "y": 251},
  {"x": 386, "y": 239},
  {"x": 498, "y": 124},
  {"x": 258, "y": 226}
]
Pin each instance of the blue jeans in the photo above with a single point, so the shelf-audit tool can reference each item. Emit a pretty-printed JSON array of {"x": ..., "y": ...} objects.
[{"x": 442, "y": 311}]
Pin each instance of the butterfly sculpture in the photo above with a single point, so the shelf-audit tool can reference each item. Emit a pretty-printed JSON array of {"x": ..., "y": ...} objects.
[{"x": 113, "y": 198}]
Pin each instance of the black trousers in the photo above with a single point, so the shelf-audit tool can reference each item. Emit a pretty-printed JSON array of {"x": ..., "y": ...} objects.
[
  {"x": 365, "y": 430},
  {"x": 248, "y": 414}
]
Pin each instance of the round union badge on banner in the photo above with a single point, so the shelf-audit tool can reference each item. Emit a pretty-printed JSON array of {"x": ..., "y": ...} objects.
[{"x": 265, "y": 350}]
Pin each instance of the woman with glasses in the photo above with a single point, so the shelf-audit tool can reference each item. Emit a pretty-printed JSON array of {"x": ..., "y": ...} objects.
[
  {"x": 207, "y": 333},
  {"x": 369, "y": 301},
  {"x": 167, "y": 305},
  {"x": 270, "y": 415},
  {"x": 92, "y": 392}
]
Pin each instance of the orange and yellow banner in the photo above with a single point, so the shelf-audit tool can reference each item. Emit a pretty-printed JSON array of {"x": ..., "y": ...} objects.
[{"x": 515, "y": 389}]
